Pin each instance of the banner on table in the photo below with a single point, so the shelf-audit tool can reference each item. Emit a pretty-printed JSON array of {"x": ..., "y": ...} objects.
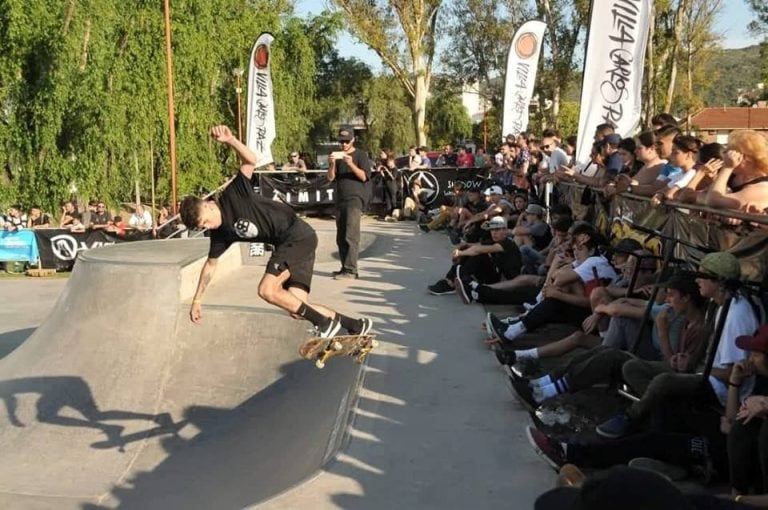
[
  {"x": 613, "y": 69},
  {"x": 522, "y": 64},
  {"x": 59, "y": 247},
  {"x": 260, "y": 121},
  {"x": 18, "y": 246}
]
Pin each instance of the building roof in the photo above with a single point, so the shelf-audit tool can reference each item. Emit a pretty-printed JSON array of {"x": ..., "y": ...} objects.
[{"x": 731, "y": 118}]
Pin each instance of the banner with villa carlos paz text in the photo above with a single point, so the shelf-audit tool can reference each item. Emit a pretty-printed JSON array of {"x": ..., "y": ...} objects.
[
  {"x": 613, "y": 69},
  {"x": 260, "y": 121},
  {"x": 522, "y": 63}
]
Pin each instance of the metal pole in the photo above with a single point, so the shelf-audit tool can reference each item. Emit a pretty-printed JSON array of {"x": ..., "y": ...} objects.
[
  {"x": 171, "y": 109},
  {"x": 238, "y": 91}
]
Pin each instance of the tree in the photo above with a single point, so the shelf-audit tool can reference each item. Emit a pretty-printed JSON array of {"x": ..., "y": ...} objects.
[
  {"x": 760, "y": 23},
  {"x": 480, "y": 33},
  {"x": 448, "y": 119},
  {"x": 381, "y": 25}
]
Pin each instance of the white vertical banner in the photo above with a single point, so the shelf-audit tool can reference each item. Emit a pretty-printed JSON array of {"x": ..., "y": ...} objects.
[
  {"x": 260, "y": 121},
  {"x": 522, "y": 64},
  {"x": 613, "y": 69}
]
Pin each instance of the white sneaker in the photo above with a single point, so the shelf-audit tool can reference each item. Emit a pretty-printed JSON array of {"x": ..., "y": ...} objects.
[{"x": 331, "y": 330}]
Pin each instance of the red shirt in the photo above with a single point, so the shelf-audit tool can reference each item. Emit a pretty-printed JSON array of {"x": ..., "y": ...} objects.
[{"x": 465, "y": 160}]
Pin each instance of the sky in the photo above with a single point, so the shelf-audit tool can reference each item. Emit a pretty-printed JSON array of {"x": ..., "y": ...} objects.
[{"x": 731, "y": 24}]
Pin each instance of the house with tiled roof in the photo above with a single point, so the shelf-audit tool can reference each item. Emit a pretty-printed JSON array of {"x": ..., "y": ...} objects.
[{"x": 715, "y": 124}]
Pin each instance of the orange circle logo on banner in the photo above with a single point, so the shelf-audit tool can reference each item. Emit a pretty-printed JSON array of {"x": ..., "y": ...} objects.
[
  {"x": 261, "y": 58},
  {"x": 526, "y": 45}
]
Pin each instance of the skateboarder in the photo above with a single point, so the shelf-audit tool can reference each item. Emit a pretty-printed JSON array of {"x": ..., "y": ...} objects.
[{"x": 239, "y": 214}]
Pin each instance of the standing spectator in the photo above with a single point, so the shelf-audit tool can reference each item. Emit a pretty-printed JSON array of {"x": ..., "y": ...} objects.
[
  {"x": 684, "y": 155},
  {"x": 15, "y": 220},
  {"x": 745, "y": 171},
  {"x": 465, "y": 159},
  {"x": 481, "y": 158},
  {"x": 390, "y": 176},
  {"x": 117, "y": 227},
  {"x": 37, "y": 218},
  {"x": 351, "y": 172},
  {"x": 101, "y": 218},
  {"x": 414, "y": 160},
  {"x": 141, "y": 219},
  {"x": 296, "y": 164},
  {"x": 570, "y": 149},
  {"x": 603, "y": 130},
  {"x": 67, "y": 212},
  {"x": 612, "y": 159}
]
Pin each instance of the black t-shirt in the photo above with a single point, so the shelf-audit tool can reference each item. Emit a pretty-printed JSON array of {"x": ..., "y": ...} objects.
[
  {"x": 347, "y": 183},
  {"x": 508, "y": 261},
  {"x": 42, "y": 220},
  {"x": 246, "y": 216},
  {"x": 101, "y": 218},
  {"x": 480, "y": 206}
]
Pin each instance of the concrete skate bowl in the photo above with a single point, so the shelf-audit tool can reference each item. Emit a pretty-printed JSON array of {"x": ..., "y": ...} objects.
[{"x": 118, "y": 401}]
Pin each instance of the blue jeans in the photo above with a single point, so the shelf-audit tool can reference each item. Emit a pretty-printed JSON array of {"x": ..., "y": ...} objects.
[{"x": 531, "y": 260}]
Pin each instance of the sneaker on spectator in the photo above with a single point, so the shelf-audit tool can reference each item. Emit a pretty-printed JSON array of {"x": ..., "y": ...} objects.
[
  {"x": 424, "y": 228},
  {"x": 345, "y": 275},
  {"x": 331, "y": 330},
  {"x": 529, "y": 306},
  {"x": 504, "y": 356},
  {"x": 462, "y": 287},
  {"x": 547, "y": 448},
  {"x": 390, "y": 219},
  {"x": 614, "y": 428},
  {"x": 494, "y": 326},
  {"x": 671, "y": 472},
  {"x": 523, "y": 393},
  {"x": 336, "y": 273},
  {"x": 440, "y": 288}
]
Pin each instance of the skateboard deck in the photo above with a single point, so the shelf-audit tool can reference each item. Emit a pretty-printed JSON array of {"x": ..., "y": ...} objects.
[{"x": 323, "y": 349}]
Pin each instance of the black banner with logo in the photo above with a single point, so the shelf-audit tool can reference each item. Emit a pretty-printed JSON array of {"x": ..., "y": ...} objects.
[
  {"x": 318, "y": 194},
  {"x": 59, "y": 247}
]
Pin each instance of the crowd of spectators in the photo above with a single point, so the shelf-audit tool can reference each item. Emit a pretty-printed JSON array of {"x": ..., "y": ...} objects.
[
  {"x": 686, "y": 343},
  {"x": 92, "y": 216}
]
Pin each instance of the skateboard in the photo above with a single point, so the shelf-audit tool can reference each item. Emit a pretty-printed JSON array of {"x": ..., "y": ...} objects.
[{"x": 323, "y": 349}]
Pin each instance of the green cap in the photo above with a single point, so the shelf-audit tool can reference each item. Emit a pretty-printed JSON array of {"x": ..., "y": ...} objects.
[{"x": 722, "y": 264}]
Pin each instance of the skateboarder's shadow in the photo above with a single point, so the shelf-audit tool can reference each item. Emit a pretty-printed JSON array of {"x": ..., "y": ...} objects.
[{"x": 59, "y": 392}]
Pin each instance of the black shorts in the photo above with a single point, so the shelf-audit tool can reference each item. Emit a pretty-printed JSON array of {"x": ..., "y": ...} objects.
[{"x": 296, "y": 254}]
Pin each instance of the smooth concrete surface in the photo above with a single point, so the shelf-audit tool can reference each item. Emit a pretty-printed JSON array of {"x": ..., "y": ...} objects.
[
  {"x": 434, "y": 425},
  {"x": 135, "y": 407}
]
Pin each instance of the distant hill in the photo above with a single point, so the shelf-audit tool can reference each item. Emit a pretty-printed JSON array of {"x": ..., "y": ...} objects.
[{"x": 732, "y": 70}]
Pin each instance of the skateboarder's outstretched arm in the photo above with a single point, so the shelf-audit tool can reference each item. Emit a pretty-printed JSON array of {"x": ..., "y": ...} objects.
[
  {"x": 248, "y": 159},
  {"x": 206, "y": 275}
]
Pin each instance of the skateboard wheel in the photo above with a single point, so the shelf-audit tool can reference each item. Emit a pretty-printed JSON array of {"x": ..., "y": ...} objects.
[
  {"x": 336, "y": 345},
  {"x": 320, "y": 364},
  {"x": 374, "y": 343}
]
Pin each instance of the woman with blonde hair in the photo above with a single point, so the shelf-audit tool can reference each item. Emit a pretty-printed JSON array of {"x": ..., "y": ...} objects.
[{"x": 742, "y": 183}]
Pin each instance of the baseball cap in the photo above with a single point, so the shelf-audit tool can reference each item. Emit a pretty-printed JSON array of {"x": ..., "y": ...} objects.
[
  {"x": 618, "y": 487},
  {"x": 494, "y": 190},
  {"x": 612, "y": 139},
  {"x": 757, "y": 342},
  {"x": 535, "y": 209},
  {"x": 345, "y": 134},
  {"x": 721, "y": 265},
  {"x": 495, "y": 223}
]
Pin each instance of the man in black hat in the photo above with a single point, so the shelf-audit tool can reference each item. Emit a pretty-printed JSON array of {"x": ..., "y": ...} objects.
[{"x": 351, "y": 170}]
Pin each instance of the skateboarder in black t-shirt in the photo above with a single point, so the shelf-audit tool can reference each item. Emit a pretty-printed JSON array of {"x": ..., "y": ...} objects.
[{"x": 240, "y": 214}]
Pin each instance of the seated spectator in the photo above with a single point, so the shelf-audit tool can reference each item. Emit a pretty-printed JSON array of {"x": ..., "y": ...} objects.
[
  {"x": 449, "y": 213},
  {"x": 15, "y": 220},
  {"x": 117, "y": 227},
  {"x": 684, "y": 349},
  {"x": 475, "y": 204},
  {"x": 101, "y": 218},
  {"x": 486, "y": 262},
  {"x": 481, "y": 158},
  {"x": 497, "y": 206},
  {"x": 745, "y": 172},
  {"x": 717, "y": 278},
  {"x": 645, "y": 182},
  {"x": 141, "y": 219},
  {"x": 565, "y": 296},
  {"x": 465, "y": 159},
  {"x": 76, "y": 225},
  {"x": 447, "y": 158},
  {"x": 709, "y": 163},
  {"x": 166, "y": 223},
  {"x": 745, "y": 420},
  {"x": 85, "y": 216},
  {"x": 684, "y": 155},
  {"x": 533, "y": 235},
  {"x": 37, "y": 218},
  {"x": 295, "y": 163},
  {"x": 67, "y": 210},
  {"x": 520, "y": 203},
  {"x": 414, "y": 160},
  {"x": 627, "y": 151},
  {"x": 425, "y": 161}
]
